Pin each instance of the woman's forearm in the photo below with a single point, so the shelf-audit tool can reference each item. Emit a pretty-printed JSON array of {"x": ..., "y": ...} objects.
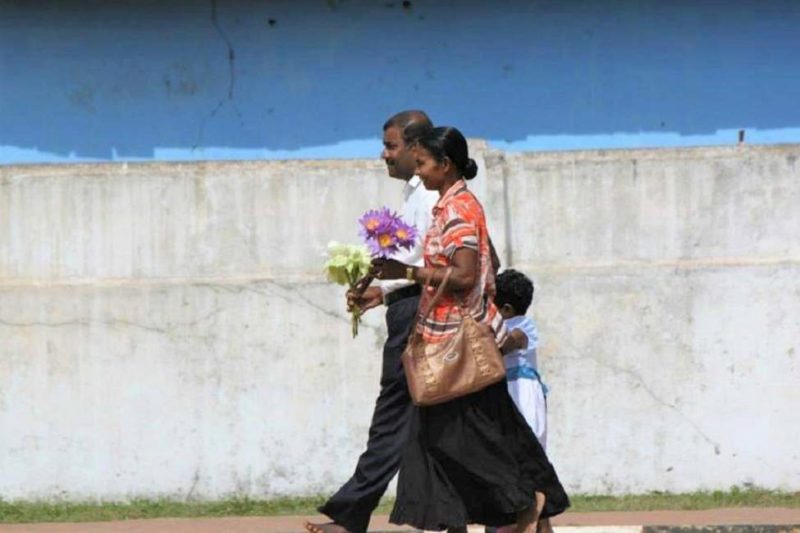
[{"x": 464, "y": 265}]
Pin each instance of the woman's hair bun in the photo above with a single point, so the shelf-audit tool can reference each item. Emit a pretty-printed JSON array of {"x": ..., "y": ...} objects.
[{"x": 470, "y": 169}]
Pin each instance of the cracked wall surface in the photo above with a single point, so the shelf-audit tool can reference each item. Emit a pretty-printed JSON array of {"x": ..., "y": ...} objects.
[{"x": 166, "y": 329}]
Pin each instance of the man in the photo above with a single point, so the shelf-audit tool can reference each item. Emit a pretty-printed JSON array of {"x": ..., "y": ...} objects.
[{"x": 351, "y": 507}]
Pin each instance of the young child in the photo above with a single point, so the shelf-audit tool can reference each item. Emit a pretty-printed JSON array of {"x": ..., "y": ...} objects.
[{"x": 513, "y": 298}]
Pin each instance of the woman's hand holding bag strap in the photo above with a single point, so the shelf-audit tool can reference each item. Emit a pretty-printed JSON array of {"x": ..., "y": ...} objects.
[{"x": 466, "y": 362}]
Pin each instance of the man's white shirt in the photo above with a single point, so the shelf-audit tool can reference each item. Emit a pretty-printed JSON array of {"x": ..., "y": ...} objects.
[{"x": 418, "y": 204}]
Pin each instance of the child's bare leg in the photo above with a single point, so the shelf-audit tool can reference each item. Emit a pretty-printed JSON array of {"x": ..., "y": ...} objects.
[{"x": 528, "y": 519}]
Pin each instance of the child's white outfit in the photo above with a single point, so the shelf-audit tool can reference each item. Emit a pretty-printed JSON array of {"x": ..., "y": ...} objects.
[
  {"x": 524, "y": 383},
  {"x": 525, "y": 387}
]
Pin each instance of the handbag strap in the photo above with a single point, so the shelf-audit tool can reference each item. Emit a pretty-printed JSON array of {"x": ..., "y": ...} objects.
[{"x": 434, "y": 301}]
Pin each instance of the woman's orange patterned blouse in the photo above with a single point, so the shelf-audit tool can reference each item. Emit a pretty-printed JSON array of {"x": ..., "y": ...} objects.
[{"x": 459, "y": 222}]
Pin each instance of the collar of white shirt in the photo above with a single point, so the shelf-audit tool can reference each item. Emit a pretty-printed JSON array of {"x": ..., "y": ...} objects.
[
  {"x": 411, "y": 185},
  {"x": 415, "y": 211}
]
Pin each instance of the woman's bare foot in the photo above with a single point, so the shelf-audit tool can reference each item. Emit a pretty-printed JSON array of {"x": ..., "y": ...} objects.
[
  {"x": 528, "y": 520},
  {"x": 330, "y": 527}
]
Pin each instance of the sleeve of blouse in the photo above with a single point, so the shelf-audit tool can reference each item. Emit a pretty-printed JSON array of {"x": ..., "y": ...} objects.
[{"x": 458, "y": 232}]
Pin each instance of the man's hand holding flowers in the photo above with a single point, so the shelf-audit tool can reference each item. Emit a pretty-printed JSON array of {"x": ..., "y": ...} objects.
[
  {"x": 384, "y": 233},
  {"x": 369, "y": 298}
]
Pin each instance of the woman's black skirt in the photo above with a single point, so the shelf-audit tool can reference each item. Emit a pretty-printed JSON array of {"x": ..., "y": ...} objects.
[{"x": 473, "y": 460}]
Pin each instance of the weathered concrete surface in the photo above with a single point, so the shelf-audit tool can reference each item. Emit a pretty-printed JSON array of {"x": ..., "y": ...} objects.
[
  {"x": 670, "y": 311},
  {"x": 166, "y": 330}
]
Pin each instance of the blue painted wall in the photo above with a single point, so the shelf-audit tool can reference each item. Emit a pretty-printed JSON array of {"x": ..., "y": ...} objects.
[{"x": 181, "y": 79}]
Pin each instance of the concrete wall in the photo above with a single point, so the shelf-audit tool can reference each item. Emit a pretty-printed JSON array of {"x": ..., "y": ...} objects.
[
  {"x": 247, "y": 79},
  {"x": 670, "y": 307},
  {"x": 166, "y": 330}
]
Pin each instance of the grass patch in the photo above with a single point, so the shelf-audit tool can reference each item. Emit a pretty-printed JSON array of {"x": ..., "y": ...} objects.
[
  {"x": 22, "y": 512},
  {"x": 653, "y": 501}
]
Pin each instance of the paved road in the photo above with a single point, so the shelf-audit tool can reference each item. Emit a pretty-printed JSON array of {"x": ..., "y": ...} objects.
[{"x": 566, "y": 522}]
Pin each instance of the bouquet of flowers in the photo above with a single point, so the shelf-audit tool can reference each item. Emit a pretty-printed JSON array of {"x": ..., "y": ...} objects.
[
  {"x": 384, "y": 233},
  {"x": 346, "y": 265}
]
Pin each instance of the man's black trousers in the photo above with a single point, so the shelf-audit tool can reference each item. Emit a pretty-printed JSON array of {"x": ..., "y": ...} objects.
[{"x": 353, "y": 504}]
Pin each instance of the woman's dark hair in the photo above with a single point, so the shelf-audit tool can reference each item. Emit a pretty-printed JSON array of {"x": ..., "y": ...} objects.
[
  {"x": 514, "y": 288},
  {"x": 446, "y": 142}
]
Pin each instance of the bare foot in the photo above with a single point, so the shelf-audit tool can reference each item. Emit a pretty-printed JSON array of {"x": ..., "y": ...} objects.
[
  {"x": 528, "y": 520},
  {"x": 330, "y": 527}
]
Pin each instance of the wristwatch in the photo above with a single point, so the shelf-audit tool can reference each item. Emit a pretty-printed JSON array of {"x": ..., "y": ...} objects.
[{"x": 410, "y": 273}]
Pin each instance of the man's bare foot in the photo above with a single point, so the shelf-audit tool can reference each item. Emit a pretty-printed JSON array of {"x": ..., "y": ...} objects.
[
  {"x": 528, "y": 520},
  {"x": 329, "y": 527}
]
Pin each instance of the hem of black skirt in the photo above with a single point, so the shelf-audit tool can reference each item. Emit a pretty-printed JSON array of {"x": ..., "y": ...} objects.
[
  {"x": 400, "y": 515},
  {"x": 401, "y": 518},
  {"x": 550, "y": 510}
]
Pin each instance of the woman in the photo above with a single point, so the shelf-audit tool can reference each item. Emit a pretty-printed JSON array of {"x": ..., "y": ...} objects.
[{"x": 473, "y": 459}]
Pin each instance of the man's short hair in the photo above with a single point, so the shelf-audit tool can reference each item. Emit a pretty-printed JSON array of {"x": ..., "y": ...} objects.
[
  {"x": 414, "y": 131},
  {"x": 404, "y": 119},
  {"x": 514, "y": 288}
]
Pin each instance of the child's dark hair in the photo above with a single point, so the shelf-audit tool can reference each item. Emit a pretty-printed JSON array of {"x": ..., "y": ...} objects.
[{"x": 514, "y": 288}]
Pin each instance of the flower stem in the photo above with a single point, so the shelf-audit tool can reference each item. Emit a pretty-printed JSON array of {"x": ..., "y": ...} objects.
[{"x": 356, "y": 318}]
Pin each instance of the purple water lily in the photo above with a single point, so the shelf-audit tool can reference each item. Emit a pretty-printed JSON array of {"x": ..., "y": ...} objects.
[{"x": 384, "y": 232}]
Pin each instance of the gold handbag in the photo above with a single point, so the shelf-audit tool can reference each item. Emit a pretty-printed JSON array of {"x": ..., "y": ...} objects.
[{"x": 465, "y": 363}]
